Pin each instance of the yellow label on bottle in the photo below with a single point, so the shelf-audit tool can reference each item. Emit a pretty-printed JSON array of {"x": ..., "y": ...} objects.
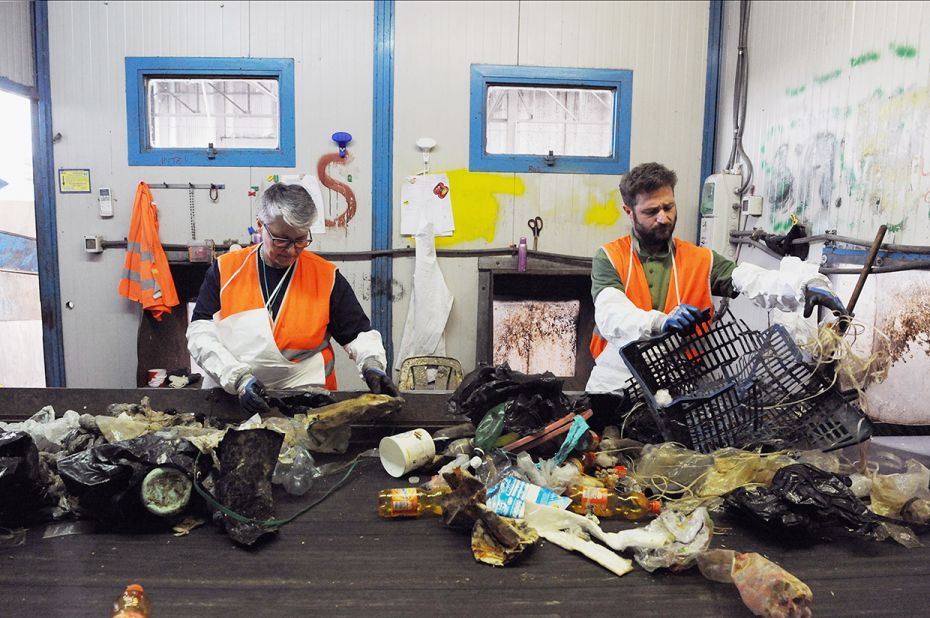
[
  {"x": 596, "y": 498},
  {"x": 404, "y": 501}
]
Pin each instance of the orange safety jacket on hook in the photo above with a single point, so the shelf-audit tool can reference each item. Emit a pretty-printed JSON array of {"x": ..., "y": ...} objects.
[{"x": 146, "y": 276}]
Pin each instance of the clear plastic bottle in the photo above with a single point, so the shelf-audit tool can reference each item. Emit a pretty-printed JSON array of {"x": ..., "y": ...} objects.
[
  {"x": 296, "y": 477},
  {"x": 521, "y": 255},
  {"x": 133, "y": 603},
  {"x": 410, "y": 502},
  {"x": 605, "y": 502}
]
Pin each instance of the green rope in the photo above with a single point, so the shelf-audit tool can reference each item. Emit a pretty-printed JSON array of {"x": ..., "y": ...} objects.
[{"x": 269, "y": 523}]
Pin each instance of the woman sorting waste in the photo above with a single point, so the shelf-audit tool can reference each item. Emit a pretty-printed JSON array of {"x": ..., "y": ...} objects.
[{"x": 265, "y": 314}]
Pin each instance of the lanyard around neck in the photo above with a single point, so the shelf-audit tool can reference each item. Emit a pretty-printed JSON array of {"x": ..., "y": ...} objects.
[
  {"x": 629, "y": 273},
  {"x": 271, "y": 297}
]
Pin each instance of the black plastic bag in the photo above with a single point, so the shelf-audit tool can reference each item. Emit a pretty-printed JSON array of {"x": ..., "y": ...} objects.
[
  {"x": 802, "y": 504},
  {"x": 537, "y": 399},
  {"x": 106, "y": 479},
  {"x": 23, "y": 499}
]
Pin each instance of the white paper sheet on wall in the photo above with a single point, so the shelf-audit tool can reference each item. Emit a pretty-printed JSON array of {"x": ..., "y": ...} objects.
[
  {"x": 312, "y": 185},
  {"x": 426, "y": 200}
]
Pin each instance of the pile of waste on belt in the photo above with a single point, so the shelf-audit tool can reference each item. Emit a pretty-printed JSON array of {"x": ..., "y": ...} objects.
[
  {"x": 136, "y": 468},
  {"x": 526, "y": 466},
  {"x": 521, "y": 463}
]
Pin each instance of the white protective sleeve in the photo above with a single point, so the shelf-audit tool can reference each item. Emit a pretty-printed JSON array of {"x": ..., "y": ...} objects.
[
  {"x": 367, "y": 351},
  {"x": 778, "y": 289},
  {"x": 203, "y": 342},
  {"x": 618, "y": 318}
]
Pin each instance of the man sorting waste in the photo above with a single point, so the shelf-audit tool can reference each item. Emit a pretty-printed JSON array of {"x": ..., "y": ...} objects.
[
  {"x": 650, "y": 282},
  {"x": 265, "y": 314}
]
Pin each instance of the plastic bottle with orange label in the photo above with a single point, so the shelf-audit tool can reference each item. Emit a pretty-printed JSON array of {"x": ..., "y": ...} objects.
[
  {"x": 605, "y": 502},
  {"x": 410, "y": 501},
  {"x": 133, "y": 603}
]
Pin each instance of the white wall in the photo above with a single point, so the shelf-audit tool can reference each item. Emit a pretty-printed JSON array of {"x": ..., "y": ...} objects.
[
  {"x": 838, "y": 111},
  {"x": 16, "y": 59},
  {"x": 663, "y": 43},
  {"x": 837, "y": 129},
  {"x": 332, "y": 47}
]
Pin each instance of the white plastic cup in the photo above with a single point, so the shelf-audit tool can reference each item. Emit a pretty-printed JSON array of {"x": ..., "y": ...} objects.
[
  {"x": 157, "y": 377},
  {"x": 406, "y": 451}
]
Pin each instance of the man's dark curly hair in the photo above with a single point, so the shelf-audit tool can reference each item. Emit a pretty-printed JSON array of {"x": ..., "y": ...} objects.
[{"x": 646, "y": 178}]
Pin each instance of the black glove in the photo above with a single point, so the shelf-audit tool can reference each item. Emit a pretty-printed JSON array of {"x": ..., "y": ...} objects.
[
  {"x": 252, "y": 396},
  {"x": 823, "y": 297},
  {"x": 684, "y": 319},
  {"x": 379, "y": 383}
]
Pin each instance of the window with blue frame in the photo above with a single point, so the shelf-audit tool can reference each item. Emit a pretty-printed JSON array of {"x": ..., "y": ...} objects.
[
  {"x": 550, "y": 120},
  {"x": 223, "y": 112}
]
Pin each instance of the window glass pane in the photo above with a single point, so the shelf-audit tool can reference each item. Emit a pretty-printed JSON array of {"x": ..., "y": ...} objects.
[
  {"x": 229, "y": 113},
  {"x": 533, "y": 120}
]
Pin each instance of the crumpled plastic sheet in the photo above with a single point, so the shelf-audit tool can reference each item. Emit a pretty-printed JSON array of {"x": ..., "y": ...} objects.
[
  {"x": 47, "y": 431},
  {"x": 890, "y": 492},
  {"x": 12, "y": 537},
  {"x": 803, "y": 503},
  {"x": 673, "y": 540},
  {"x": 537, "y": 398},
  {"x": 766, "y": 588},
  {"x": 687, "y": 534},
  {"x": 547, "y": 474},
  {"x": 673, "y": 462}
]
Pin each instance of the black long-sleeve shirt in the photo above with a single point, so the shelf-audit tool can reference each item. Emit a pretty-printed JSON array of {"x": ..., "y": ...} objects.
[{"x": 347, "y": 319}]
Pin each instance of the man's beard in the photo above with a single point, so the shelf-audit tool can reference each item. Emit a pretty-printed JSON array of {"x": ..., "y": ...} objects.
[{"x": 656, "y": 237}]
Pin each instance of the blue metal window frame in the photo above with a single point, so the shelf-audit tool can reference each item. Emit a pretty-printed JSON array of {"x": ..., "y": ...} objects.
[
  {"x": 140, "y": 153},
  {"x": 484, "y": 75},
  {"x": 8, "y": 85}
]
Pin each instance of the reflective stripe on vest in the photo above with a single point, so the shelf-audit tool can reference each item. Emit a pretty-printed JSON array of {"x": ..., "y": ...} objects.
[
  {"x": 692, "y": 264},
  {"x": 300, "y": 330},
  {"x": 146, "y": 276}
]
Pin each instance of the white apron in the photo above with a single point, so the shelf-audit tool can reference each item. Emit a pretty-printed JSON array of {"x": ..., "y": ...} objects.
[{"x": 248, "y": 336}]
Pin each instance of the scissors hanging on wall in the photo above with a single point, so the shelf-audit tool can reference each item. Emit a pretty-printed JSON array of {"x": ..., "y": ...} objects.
[{"x": 536, "y": 226}]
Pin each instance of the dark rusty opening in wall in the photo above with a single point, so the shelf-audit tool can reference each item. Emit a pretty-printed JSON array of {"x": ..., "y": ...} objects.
[{"x": 544, "y": 282}]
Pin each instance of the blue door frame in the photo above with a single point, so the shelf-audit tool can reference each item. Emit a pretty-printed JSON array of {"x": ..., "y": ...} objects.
[
  {"x": 43, "y": 165},
  {"x": 382, "y": 189},
  {"x": 715, "y": 27}
]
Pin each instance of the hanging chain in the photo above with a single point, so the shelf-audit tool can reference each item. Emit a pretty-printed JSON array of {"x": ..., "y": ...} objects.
[{"x": 190, "y": 196}]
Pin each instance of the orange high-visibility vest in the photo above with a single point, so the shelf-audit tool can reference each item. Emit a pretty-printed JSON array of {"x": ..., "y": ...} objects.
[
  {"x": 301, "y": 326},
  {"x": 692, "y": 263},
  {"x": 146, "y": 277}
]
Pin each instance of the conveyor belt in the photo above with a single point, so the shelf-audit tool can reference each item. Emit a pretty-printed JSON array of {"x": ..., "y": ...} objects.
[{"x": 342, "y": 559}]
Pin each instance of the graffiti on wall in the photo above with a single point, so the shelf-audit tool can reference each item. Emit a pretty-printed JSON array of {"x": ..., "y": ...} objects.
[
  {"x": 851, "y": 167},
  {"x": 324, "y": 173}
]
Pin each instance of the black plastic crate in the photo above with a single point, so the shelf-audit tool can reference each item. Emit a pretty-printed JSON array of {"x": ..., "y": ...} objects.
[{"x": 732, "y": 386}]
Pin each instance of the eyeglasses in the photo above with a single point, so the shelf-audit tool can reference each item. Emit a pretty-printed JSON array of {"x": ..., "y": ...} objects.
[{"x": 285, "y": 243}]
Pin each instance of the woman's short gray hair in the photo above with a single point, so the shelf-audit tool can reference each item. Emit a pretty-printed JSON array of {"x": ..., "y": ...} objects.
[{"x": 290, "y": 202}]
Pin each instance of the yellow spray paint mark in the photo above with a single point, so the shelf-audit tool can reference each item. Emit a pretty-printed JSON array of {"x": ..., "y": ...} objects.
[
  {"x": 602, "y": 213},
  {"x": 902, "y": 104},
  {"x": 474, "y": 204}
]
